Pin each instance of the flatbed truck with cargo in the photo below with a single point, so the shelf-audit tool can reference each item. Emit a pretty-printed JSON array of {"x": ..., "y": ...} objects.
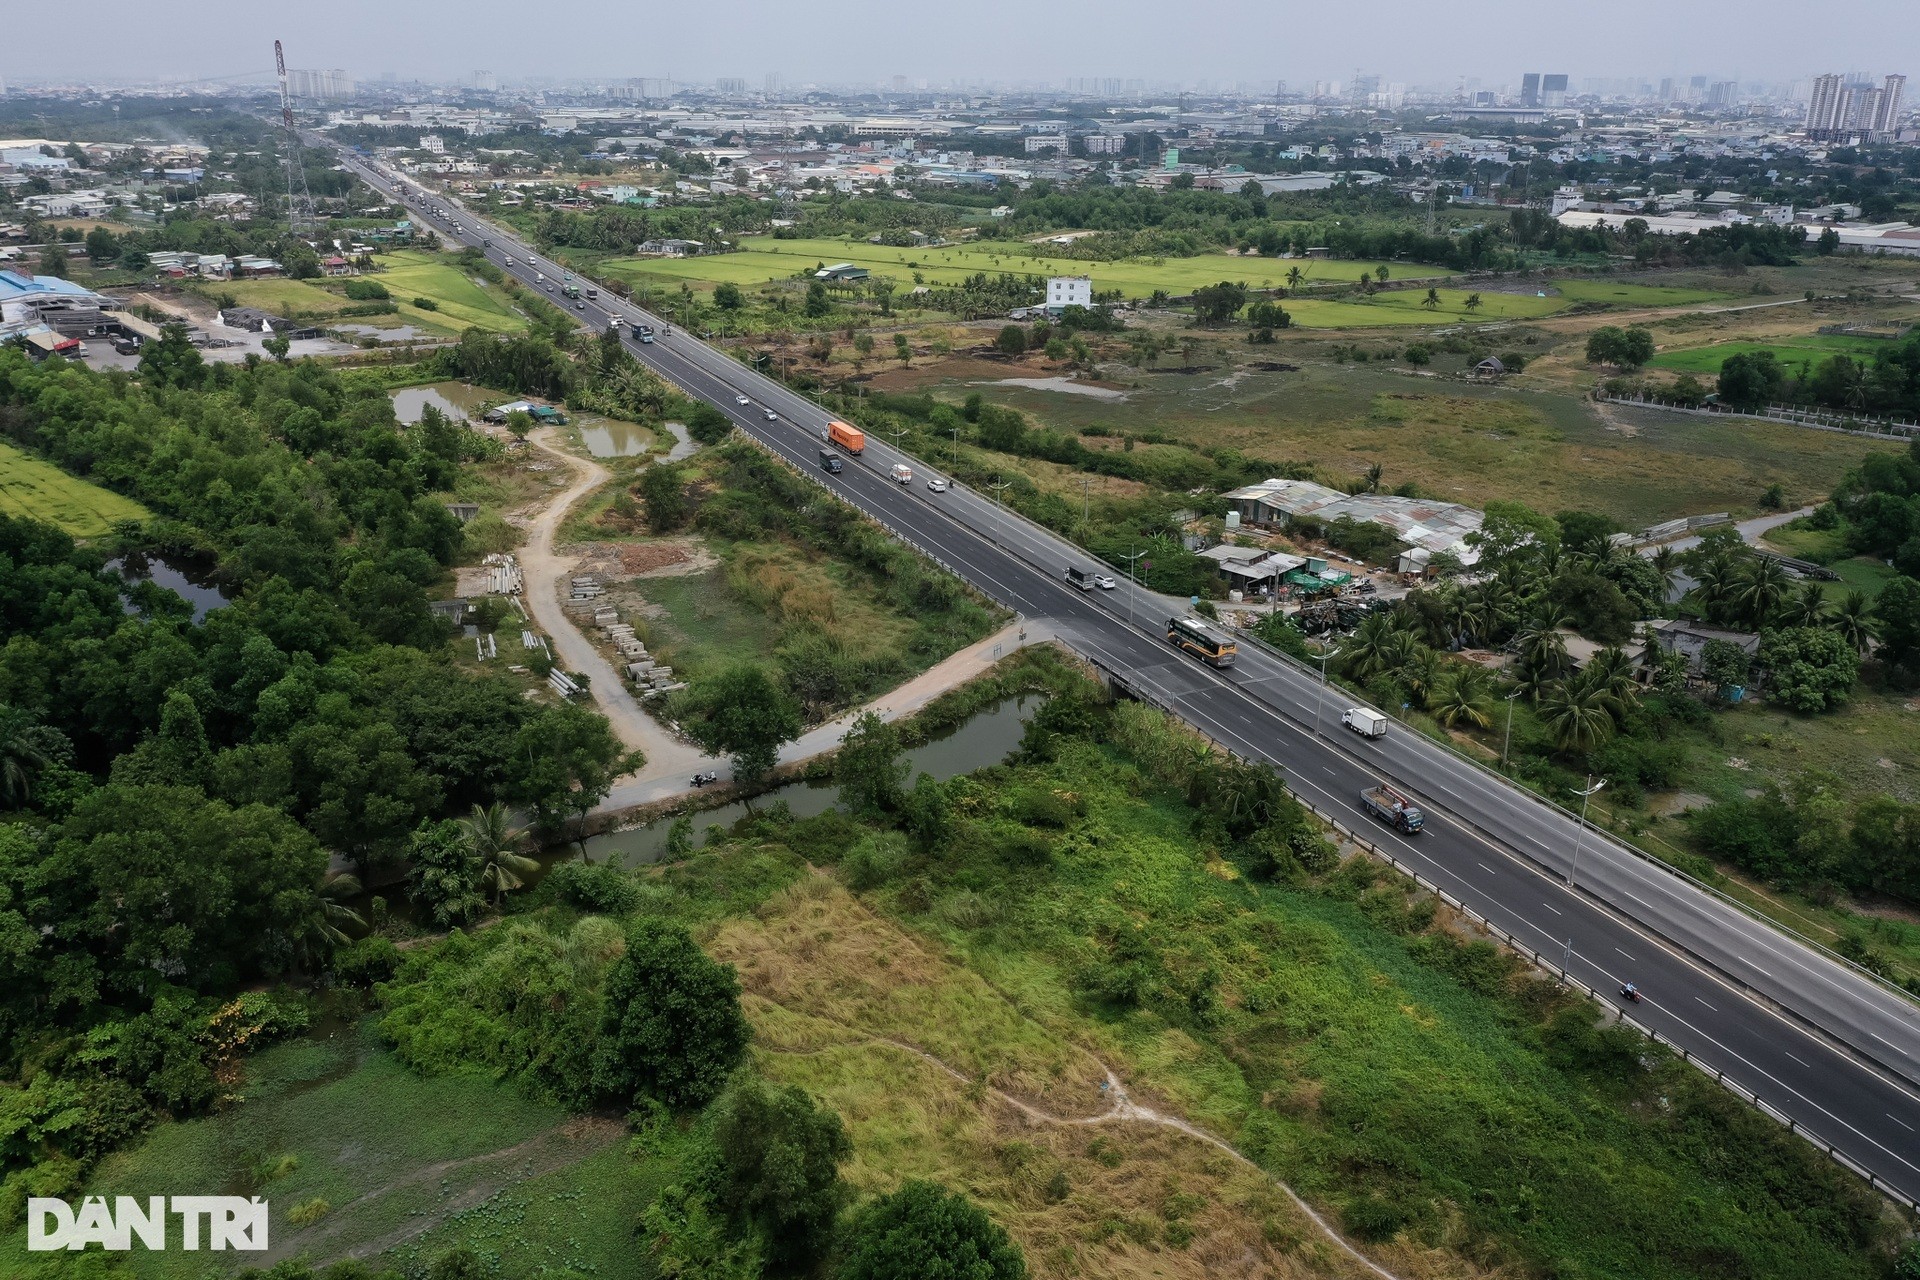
[{"x": 1394, "y": 809}]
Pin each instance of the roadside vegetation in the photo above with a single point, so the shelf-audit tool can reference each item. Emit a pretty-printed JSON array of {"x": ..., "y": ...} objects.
[{"x": 907, "y": 1003}]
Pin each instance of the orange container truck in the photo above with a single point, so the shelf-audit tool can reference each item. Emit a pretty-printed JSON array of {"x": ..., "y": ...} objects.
[{"x": 852, "y": 439}]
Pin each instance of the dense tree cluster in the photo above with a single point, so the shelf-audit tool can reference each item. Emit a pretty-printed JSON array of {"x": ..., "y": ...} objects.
[{"x": 180, "y": 783}]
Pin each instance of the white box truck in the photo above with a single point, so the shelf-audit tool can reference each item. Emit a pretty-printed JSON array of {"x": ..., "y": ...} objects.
[
  {"x": 1368, "y": 724},
  {"x": 902, "y": 473}
]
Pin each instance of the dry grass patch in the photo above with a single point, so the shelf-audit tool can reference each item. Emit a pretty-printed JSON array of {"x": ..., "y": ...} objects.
[{"x": 853, "y": 1008}]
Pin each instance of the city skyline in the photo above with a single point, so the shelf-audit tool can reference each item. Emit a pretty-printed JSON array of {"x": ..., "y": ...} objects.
[{"x": 851, "y": 42}]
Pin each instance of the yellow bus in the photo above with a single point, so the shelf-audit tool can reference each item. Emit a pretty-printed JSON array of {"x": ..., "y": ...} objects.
[{"x": 1203, "y": 640}]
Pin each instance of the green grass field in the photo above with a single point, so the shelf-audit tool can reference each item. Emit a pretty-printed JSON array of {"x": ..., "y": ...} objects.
[
  {"x": 334, "y": 1116},
  {"x": 768, "y": 259},
  {"x": 1810, "y": 348},
  {"x": 1407, "y": 307},
  {"x": 31, "y": 487},
  {"x": 283, "y": 297},
  {"x": 463, "y": 303},
  {"x": 1635, "y": 295}
]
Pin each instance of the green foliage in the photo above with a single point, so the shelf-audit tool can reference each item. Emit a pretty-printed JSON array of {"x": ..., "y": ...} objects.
[
  {"x": 443, "y": 874},
  {"x": 773, "y": 1168},
  {"x": 363, "y": 289},
  {"x": 742, "y": 713},
  {"x": 1627, "y": 348},
  {"x": 707, "y": 424},
  {"x": 672, "y": 1028},
  {"x": 872, "y": 775},
  {"x": 924, "y": 1230},
  {"x": 1012, "y": 340},
  {"x": 1809, "y": 669},
  {"x": 663, "y": 488}
]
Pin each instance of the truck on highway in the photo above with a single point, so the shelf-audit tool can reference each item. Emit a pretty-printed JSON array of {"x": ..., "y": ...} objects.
[
  {"x": 901, "y": 473},
  {"x": 571, "y": 291},
  {"x": 1081, "y": 578},
  {"x": 1392, "y": 808},
  {"x": 1368, "y": 724},
  {"x": 850, "y": 438},
  {"x": 592, "y": 292},
  {"x": 831, "y": 461}
]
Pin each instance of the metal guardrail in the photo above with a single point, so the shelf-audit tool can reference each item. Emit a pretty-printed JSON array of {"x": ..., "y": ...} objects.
[
  {"x": 1133, "y": 688},
  {"x": 1653, "y": 859}
]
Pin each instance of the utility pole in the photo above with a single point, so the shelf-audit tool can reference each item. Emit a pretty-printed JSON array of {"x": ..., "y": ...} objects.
[
  {"x": 1508, "y": 740},
  {"x": 1133, "y": 586},
  {"x": 1320, "y": 702},
  {"x": 1000, "y": 488}
]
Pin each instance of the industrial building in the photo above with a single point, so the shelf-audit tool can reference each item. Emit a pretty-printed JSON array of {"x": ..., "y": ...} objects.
[{"x": 1425, "y": 525}]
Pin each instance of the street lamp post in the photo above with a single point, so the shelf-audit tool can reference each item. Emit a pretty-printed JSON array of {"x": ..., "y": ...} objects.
[
  {"x": 1508, "y": 740},
  {"x": 1133, "y": 587},
  {"x": 1592, "y": 788},
  {"x": 1320, "y": 702}
]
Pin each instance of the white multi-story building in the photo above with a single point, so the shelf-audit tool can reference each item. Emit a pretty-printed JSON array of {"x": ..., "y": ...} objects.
[
  {"x": 1105, "y": 144},
  {"x": 1069, "y": 291}
]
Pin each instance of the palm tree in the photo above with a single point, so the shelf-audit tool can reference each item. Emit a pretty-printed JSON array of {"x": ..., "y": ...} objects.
[
  {"x": 1759, "y": 591},
  {"x": 1494, "y": 609},
  {"x": 1374, "y": 473},
  {"x": 1665, "y": 562},
  {"x": 1807, "y": 607},
  {"x": 1577, "y": 713},
  {"x": 1432, "y": 299},
  {"x": 1423, "y": 672},
  {"x": 1378, "y": 646},
  {"x": 1854, "y": 619},
  {"x": 1717, "y": 582},
  {"x": 1542, "y": 647},
  {"x": 1473, "y": 302},
  {"x": 25, "y": 749},
  {"x": 495, "y": 841},
  {"x": 1464, "y": 697},
  {"x": 1611, "y": 672},
  {"x": 1294, "y": 277},
  {"x": 325, "y": 923}
]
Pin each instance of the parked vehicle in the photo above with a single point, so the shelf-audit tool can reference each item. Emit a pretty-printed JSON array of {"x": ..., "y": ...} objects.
[
  {"x": 936, "y": 485},
  {"x": 850, "y": 438},
  {"x": 1368, "y": 724},
  {"x": 1081, "y": 578},
  {"x": 1392, "y": 808},
  {"x": 901, "y": 473},
  {"x": 831, "y": 461}
]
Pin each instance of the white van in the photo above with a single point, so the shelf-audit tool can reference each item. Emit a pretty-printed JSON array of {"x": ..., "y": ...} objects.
[{"x": 1368, "y": 724}]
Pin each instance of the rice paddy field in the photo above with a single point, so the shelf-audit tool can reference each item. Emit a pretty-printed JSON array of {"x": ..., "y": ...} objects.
[
  {"x": 33, "y": 488},
  {"x": 460, "y": 301},
  {"x": 768, "y": 259}
]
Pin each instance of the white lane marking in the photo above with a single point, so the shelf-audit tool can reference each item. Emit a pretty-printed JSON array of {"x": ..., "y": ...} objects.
[
  {"x": 1902, "y": 1123},
  {"x": 1797, "y": 1058},
  {"x": 1483, "y": 866},
  {"x": 1708, "y": 1005},
  {"x": 1623, "y": 953},
  {"x": 1549, "y": 906},
  {"x": 1751, "y": 965}
]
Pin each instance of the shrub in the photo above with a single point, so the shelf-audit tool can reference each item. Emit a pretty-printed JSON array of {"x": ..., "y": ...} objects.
[
  {"x": 925, "y": 1230},
  {"x": 426, "y": 304},
  {"x": 597, "y": 887},
  {"x": 672, "y": 1028},
  {"x": 366, "y": 961},
  {"x": 363, "y": 290}
]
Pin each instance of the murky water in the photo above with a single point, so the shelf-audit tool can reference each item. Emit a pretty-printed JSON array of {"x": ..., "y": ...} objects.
[
  {"x": 455, "y": 399},
  {"x": 191, "y": 581},
  {"x": 606, "y": 438},
  {"x": 986, "y": 739}
]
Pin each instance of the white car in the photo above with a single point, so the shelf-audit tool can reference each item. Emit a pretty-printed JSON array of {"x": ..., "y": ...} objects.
[
  {"x": 742, "y": 400},
  {"x": 772, "y": 416},
  {"x": 936, "y": 485},
  {"x": 1104, "y": 581}
]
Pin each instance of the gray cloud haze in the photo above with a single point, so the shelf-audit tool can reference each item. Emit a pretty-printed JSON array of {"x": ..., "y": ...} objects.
[{"x": 863, "y": 41}]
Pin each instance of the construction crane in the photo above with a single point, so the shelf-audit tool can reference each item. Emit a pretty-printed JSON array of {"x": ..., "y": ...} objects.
[{"x": 300, "y": 215}]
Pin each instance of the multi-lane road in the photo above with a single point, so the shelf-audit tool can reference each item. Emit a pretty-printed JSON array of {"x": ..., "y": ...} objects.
[{"x": 1816, "y": 1042}]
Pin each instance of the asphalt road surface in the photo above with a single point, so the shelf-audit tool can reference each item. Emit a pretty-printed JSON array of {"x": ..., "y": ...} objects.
[{"x": 1817, "y": 1043}]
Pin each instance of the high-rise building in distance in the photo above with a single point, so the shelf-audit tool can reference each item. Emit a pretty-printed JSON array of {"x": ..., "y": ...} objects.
[
  {"x": 1530, "y": 89},
  {"x": 1553, "y": 91},
  {"x": 1838, "y": 108},
  {"x": 486, "y": 82}
]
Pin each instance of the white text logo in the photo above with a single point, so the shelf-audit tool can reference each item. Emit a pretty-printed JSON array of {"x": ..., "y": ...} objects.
[{"x": 210, "y": 1222}]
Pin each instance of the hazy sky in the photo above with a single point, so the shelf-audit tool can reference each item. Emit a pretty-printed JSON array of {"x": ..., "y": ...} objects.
[{"x": 862, "y": 41}]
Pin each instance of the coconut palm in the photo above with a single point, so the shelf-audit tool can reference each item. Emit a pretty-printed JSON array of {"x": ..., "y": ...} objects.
[
  {"x": 1422, "y": 671},
  {"x": 1473, "y": 302},
  {"x": 1761, "y": 587},
  {"x": 1578, "y": 713},
  {"x": 1374, "y": 472},
  {"x": 324, "y": 924},
  {"x": 489, "y": 831},
  {"x": 1854, "y": 620},
  {"x": 1611, "y": 671},
  {"x": 1665, "y": 562},
  {"x": 1464, "y": 697},
  {"x": 1542, "y": 647},
  {"x": 1377, "y": 646},
  {"x": 1294, "y": 277},
  {"x": 1493, "y": 610},
  {"x": 1432, "y": 299},
  {"x": 1718, "y": 580},
  {"x": 1806, "y": 607}
]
